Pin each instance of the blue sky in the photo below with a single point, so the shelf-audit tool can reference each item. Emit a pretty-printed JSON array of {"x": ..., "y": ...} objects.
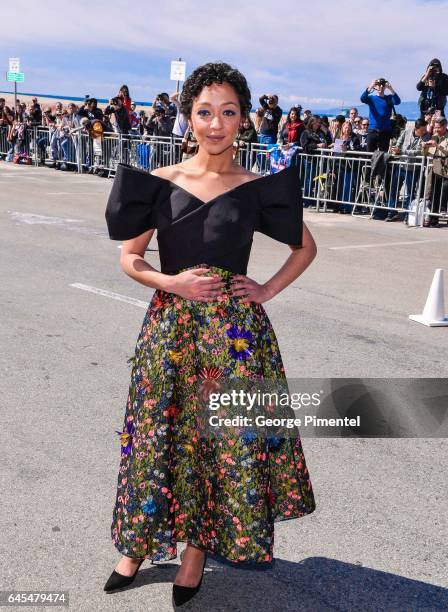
[{"x": 320, "y": 55}]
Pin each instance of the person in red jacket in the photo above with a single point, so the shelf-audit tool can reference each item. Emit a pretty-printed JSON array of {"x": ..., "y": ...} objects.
[
  {"x": 126, "y": 98},
  {"x": 292, "y": 129}
]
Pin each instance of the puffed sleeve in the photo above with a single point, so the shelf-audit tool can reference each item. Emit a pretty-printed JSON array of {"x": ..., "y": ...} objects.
[
  {"x": 280, "y": 214},
  {"x": 132, "y": 205}
]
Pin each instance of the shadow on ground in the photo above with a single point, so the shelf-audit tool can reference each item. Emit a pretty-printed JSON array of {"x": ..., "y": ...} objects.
[{"x": 315, "y": 584}]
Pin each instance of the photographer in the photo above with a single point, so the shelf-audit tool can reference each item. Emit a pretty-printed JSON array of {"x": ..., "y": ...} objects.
[
  {"x": 433, "y": 86},
  {"x": 35, "y": 113},
  {"x": 381, "y": 107},
  {"x": 90, "y": 109},
  {"x": 125, "y": 98},
  {"x": 160, "y": 123},
  {"x": 272, "y": 113},
  {"x": 169, "y": 108},
  {"x": 121, "y": 123},
  {"x": 49, "y": 121},
  {"x": 270, "y": 116},
  {"x": 119, "y": 119}
]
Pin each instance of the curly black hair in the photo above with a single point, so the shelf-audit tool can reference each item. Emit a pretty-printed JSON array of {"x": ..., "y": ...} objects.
[{"x": 214, "y": 72}]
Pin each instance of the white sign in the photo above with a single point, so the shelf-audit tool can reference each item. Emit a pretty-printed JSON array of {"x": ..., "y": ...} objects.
[
  {"x": 14, "y": 64},
  {"x": 178, "y": 70}
]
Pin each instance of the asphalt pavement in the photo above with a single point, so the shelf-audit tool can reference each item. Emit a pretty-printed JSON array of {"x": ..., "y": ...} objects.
[{"x": 70, "y": 320}]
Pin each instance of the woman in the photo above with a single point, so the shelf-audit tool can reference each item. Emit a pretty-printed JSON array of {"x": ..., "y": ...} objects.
[
  {"x": 346, "y": 168},
  {"x": 336, "y": 127},
  {"x": 292, "y": 129},
  {"x": 205, "y": 328},
  {"x": 126, "y": 99},
  {"x": 433, "y": 86},
  {"x": 247, "y": 135},
  {"x": 312, "y": 140},
  {"x": 289, "y": 137}
]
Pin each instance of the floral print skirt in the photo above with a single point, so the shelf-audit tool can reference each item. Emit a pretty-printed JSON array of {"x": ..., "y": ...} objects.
[{"x": 222, "y": 494}]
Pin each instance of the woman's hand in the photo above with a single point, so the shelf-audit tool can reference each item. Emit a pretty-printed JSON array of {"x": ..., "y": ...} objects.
[
  {"x": 247, "y": 288},
  {"x": 191, "y": 285}
]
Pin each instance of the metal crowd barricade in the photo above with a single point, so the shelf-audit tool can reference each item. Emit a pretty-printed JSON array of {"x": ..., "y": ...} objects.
[
  {"x": 436, "y": 195},
  {"x": 344, "y": 181},
  {"x": 330, "y": 180}
]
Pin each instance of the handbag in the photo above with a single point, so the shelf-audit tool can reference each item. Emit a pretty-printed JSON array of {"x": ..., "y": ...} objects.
[{"x": 188, "y": 145}]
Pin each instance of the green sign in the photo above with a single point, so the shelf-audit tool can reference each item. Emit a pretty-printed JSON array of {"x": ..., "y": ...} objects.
[{"x": 15, "y": 76}]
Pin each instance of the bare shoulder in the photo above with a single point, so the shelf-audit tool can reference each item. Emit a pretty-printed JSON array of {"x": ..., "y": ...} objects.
[
  {"x": 247, "y": 176},
  {"x": 169, "y": 172}
]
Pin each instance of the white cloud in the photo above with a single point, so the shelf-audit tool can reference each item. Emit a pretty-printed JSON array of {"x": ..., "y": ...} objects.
[{"x": 328, "y": 51}]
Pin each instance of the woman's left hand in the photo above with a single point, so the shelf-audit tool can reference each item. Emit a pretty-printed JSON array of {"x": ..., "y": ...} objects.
[{"x": 248, "y": 289}]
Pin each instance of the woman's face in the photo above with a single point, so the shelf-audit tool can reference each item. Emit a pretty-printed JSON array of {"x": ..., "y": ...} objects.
[
  {"x": 346, "y": 130},
  {"x": 216, "y": 117},
  {"x": 293, "y": 116},
  {"x": 246, "y": 124}
]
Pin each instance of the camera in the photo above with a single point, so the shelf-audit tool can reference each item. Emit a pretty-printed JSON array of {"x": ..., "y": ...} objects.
[
  {"x": 381, "y": 81},
  {"x": 434, "y": 70}
]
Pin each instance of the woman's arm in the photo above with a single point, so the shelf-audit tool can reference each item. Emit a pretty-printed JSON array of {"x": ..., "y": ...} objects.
[
  {"x": 297, "y": 262},
  {"x": 189, "y": 284},
  {"x": 133, "y": 263}
]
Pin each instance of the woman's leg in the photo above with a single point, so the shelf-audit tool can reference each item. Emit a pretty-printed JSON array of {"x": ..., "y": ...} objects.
[
  {"x": 127, "y": 566},
  {"x": 347, "y": 192},
  {"x": 190, "y": 571}
]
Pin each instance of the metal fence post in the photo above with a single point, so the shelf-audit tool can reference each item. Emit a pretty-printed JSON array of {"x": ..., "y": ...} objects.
[
  {"x": 321, "y": 165},
  {"x": 78, "y": 151},
  {"x": 36, "y": 152},
  {"x": 423, "y": 176}
]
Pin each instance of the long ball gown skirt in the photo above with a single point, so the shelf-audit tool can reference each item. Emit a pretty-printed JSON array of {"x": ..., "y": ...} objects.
[{"x": 221, "y": 494}]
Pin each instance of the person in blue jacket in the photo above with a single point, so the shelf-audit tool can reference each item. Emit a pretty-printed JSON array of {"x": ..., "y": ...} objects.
[{"x": 381, "y": 107}]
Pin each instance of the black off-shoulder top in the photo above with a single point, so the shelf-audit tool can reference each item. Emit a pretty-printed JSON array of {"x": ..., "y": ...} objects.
[{"x": 218, "y": 232}]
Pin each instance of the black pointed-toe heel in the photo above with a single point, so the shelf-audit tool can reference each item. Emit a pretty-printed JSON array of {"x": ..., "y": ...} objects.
[
  {"x": 118, "y": 581},
  {"x": 182, "y": 594}
]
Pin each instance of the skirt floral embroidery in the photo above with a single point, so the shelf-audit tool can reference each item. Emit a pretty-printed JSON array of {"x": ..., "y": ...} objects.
[{"x": 221, "y": 494}]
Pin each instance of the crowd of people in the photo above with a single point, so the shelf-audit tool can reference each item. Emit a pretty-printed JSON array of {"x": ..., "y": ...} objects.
[{"x": 383, "y": 130}]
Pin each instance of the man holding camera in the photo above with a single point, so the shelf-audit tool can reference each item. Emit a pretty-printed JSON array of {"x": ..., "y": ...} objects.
[
  {"x": 121, "y": 123},
  {"x": 162, "y": 101},
  {"x": 272, "y": 113},
  {"x": 270, "y": 116},
  {"x": 90, "y": 109},
  {"x": 381, "y": 107},
  {"x": 433, "y": 86}
]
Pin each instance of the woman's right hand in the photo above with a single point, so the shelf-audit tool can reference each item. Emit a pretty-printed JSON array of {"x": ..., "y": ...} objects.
[{"x": 192, "y": 285}]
